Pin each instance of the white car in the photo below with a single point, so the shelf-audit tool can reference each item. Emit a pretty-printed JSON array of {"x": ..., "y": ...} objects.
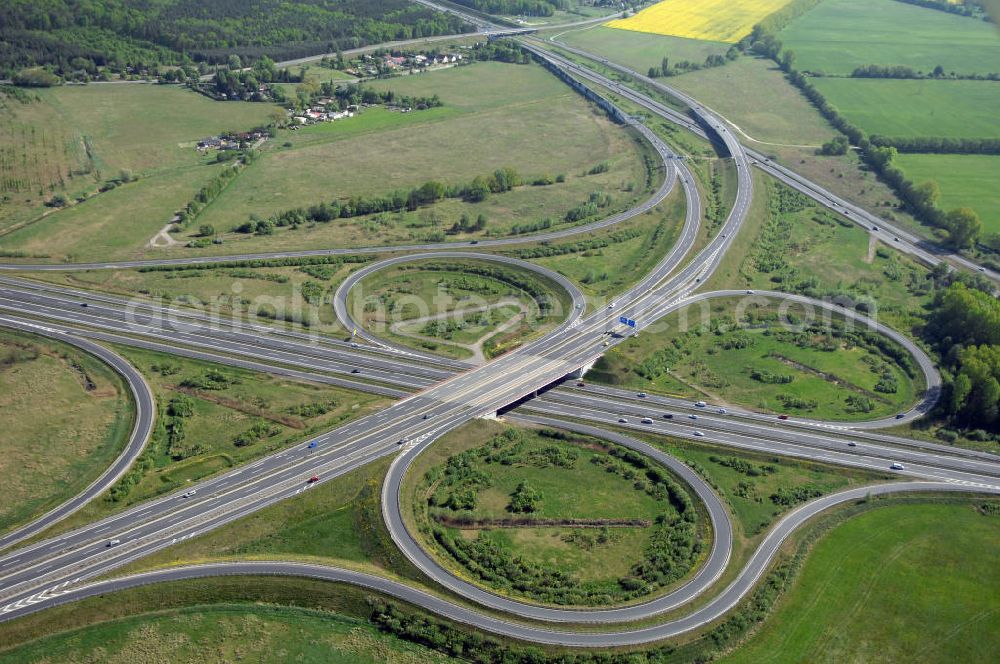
[
  {"x": 188, "y": 494},
  {"x": 114, "y": 542},
  {"x": 647, "y": 420},
  {"x": 896, "y": 466},
  {"x": 700, "y": 404},
  {"x": 642, "y": 395},
  {"x": 722, "y": 411},
  {"x": 623, "y": 420},
  {"x": 699, "y": 434}
]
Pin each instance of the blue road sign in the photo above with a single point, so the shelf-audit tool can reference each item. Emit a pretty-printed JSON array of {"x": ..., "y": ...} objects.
[{"x": 626, "y": 321}]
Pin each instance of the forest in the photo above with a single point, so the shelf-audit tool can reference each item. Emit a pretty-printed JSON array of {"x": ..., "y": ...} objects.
[{"x": 74, "y": 35}]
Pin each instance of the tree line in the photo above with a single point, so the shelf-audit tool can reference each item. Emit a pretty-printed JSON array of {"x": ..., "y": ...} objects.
[
  {"x": 938, "y": 144},
  {"x": 906, "y": 72},
  {"x": 666, "y": 68},
  {"x": 432, "y": 191}
]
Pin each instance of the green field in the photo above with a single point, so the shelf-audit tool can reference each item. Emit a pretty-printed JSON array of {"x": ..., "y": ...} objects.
[
  {"x": 641, "y": 50},
  {"x": 891, "y": 107},
  {"x": 762, "y": 363},
  {"x": 213, "y": 620},
  {"x": 901, "y": 583},
  {"x": 66, "y": 415},
  {"x": 102, "y": 130},
  {"x": 838, "y": 35},
  {"x": 227, "y": 633},
  {"x": 512, "y": 504},
  {"x": 494, "y": 116},
  {"x": 444, "y": 307},
  {"x": 234, "y": 416},
  {"x": 753, "y": 94},
  {"x": 965, "y": 181}
]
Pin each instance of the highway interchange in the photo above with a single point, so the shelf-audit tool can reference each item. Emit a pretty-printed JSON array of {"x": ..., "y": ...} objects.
[{"x": 437, "y": 395}]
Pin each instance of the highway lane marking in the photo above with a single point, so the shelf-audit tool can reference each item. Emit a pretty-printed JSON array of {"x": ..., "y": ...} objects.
[
  {"x": 544, "y": 367},
  {"x": 48, "y": 562},
  {"x": 203, "y": 339}
]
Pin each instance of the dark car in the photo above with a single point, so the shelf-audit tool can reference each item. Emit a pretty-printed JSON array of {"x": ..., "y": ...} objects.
[
  {"x": 668, "y": 416},
  {"x": 782, "y": 417}
]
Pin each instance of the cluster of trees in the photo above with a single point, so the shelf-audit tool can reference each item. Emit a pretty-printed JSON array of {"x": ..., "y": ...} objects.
[
  {"x": 432, "y": 191},
  {"x": 501, "y": 50},
  {"x": 903, "y": 71},
  {"x": 524, "y": 499},
  {"x": 791, "y": 496},
  {"x": 234, "y": 83},
  {"x": 55, "y": 32},
  {"x": 743, "y": 466},
  {"x": 310, "y": 91},
  {"x": 259, "y": 430},
  {"x": 682, "y": 66},
  {"x": 964, "y": 325},
  {"x": 838, "y": 145},
  {"x": 596, "y": 202}
]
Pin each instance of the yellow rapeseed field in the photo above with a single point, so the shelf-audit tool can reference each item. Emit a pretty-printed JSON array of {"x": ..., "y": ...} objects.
[{"x": 713, "y": 20}]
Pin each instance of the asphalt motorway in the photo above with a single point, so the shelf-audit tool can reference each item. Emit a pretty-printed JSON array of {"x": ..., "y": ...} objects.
[{"x": 53, "y": 571}]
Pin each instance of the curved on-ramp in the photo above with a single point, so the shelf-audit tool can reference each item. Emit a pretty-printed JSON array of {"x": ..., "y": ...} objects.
[
  {"x": 343, "y": 313},
  {"x": 932, "y": 377},
  {"x": 707, "y": 573},
  {"x": 142, "y": 427}
]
